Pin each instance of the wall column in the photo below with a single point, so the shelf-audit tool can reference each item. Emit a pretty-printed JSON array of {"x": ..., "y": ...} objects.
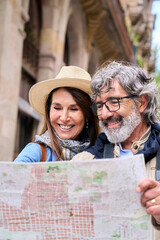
[
  {"x": 12, "y": 19},
  {"x": 55, "y": 16}
]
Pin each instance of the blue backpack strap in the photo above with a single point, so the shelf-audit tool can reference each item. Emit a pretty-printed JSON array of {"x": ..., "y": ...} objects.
[
  {"x": 108, "y": 150},
  {"x": 157, "y": 173}
]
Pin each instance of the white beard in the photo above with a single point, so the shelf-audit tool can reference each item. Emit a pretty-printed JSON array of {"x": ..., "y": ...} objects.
[{"x": 118, "y": 135}]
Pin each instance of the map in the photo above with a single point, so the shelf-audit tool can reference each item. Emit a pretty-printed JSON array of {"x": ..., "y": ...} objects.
[{"x": 67, "y": 200}]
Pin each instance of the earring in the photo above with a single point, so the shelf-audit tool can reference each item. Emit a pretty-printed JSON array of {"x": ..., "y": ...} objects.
[{"x": 86, "y": 125}]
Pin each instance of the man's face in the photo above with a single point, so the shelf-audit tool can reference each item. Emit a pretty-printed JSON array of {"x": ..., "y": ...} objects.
[{"x": 118, "y": 125}]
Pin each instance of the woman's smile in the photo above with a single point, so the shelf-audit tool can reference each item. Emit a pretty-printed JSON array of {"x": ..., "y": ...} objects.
[{"x": 66, "y": 117}]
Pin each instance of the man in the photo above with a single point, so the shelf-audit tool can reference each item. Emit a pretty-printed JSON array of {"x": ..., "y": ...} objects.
[{"x": 126, "y": 103}]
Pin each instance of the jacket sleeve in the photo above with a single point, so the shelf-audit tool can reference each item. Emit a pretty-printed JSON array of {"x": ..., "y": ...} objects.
[
  {"x": 31, "y": 153},
  {"x": 155, "y": 224}
]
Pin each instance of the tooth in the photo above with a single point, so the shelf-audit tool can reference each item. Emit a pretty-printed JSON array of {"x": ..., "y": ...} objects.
[{"x": 65, "y": 127}]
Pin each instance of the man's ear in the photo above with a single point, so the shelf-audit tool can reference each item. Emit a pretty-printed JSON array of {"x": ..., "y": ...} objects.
[{"x": 142, "y": 103}]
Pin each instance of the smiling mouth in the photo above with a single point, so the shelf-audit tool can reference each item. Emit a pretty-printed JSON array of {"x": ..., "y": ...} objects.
[
  {"x": 65, "y": 127},
  {"x": 112, "y": 122}
]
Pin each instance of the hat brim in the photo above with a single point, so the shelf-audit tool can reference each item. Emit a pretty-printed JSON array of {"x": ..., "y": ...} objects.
[{"x": 39, "y": 92}]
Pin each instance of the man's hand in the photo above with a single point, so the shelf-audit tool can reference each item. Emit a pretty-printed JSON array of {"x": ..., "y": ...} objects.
[{"x": 151, "y": 197}]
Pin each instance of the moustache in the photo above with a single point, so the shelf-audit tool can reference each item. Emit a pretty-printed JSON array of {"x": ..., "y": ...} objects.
[{"x": 111, "y": 119}]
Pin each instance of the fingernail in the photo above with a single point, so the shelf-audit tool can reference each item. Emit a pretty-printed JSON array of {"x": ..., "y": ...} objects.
[{"x": 138, "y": 190}]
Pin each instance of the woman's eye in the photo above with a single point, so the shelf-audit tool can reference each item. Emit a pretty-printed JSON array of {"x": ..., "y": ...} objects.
[
  {"x": 57, "y": 108},
  {"x": 74, "y": 109}
]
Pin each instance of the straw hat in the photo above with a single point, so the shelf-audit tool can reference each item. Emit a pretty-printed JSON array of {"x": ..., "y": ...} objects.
[{"x": 69, "y": 76}]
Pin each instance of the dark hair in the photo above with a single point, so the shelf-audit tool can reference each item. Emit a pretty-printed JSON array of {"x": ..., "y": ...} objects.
[{"x": 90, "y": 131}]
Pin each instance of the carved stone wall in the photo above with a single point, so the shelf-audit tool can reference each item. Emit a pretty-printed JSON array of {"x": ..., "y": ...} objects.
[
  {"x": 140, "y": 23},
  {"x": 12, "y": 19}
]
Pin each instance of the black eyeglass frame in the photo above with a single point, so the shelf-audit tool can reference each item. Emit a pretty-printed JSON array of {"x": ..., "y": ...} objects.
[{"x": 94, "y": 106}]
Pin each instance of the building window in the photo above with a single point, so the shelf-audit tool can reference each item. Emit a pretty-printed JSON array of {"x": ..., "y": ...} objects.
[
  {"x": 32, "y": 40},
  {"x": 26, "y": 128}
]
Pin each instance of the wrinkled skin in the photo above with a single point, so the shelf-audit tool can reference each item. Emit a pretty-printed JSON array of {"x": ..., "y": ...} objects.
[{"x": 151, "y": 190}]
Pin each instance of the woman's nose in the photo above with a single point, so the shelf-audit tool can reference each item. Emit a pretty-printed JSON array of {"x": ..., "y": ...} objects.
[{"x": 64, "y": 116}]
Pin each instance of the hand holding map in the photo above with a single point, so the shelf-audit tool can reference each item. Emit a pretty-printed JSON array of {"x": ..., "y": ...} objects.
[{"x": 151, "y": 197}]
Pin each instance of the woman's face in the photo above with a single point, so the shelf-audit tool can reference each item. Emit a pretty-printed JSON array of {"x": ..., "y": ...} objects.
[{"x": 66, "y": 117}]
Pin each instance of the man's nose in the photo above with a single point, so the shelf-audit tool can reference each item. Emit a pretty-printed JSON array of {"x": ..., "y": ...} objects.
[{"x": 105, "y": 113}]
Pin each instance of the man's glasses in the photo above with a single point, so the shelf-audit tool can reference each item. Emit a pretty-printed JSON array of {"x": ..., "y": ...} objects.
[{"x": 113, "y": 105}]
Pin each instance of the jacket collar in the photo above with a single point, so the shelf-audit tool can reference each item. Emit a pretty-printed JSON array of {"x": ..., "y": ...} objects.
[
  {"x": 152, "y": 145},
  {"x": 148, "y": 144}
]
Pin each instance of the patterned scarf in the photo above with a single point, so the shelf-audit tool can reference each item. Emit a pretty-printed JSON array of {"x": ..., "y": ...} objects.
[{"x": 69, "y": 147}]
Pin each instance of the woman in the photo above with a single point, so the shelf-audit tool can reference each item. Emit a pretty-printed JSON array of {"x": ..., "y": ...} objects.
[{"x": 69, "y": 124}]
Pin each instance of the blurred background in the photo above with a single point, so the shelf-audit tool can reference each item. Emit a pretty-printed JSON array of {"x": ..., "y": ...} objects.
[{"x": 38, "y": 37}]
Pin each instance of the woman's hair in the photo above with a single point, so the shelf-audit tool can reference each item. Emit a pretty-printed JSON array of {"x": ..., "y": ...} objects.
[
  {"x": 133, "y": 80},
  {"x": 90, "y": 129}
]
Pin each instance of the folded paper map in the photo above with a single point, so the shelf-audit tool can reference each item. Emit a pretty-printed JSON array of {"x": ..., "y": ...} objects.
[{"x": 65, "y": 200}]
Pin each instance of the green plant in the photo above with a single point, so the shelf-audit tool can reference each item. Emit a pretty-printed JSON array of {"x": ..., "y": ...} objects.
[
  {"x": 157, "y": 79},
  {"x": 140, "y": 61}
]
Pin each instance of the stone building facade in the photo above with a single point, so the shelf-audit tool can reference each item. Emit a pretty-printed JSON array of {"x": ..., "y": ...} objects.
[{"x": 38, "y": 37}]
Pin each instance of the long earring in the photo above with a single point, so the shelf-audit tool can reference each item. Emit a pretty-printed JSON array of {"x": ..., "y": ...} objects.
[{"x": 86, "y": 125}]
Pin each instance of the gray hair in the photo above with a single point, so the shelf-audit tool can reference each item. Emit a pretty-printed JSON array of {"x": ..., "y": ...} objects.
[{"x": 134, "y": 81}]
